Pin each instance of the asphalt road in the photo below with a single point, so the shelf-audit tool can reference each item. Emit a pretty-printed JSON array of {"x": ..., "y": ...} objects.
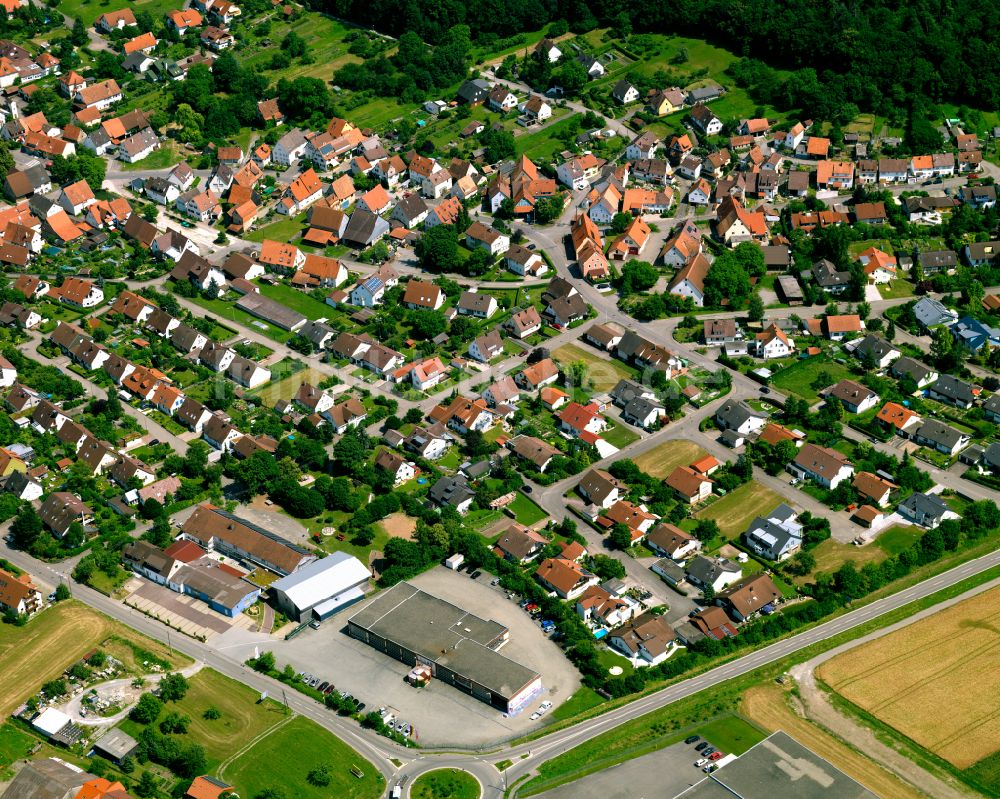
[{"x": 526, "y": 757}]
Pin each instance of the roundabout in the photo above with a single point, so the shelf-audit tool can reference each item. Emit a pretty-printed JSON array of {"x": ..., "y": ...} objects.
[{"x": 446, "y": 783}]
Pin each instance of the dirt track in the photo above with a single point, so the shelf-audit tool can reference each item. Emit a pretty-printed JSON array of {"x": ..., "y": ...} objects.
[{"x": 769, "y": 706}]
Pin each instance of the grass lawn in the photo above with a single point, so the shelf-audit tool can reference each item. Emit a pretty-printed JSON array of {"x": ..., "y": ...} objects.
[
  {"x": 896, "y": 289},
  {"x": 89, "y": 11},
  {"x": 286, "y": 388},
  {"x": 799, "y": 377},
  {"x": 584, "y": 699},
  {"x": 324, "y": 36},
  {"x": 297, "y": 301},
  {"x": 602, "y": 373},
  {"x": 284, "y": 228},
  {"x": 14, "y": 745},
  {"x": 620, "y": 435},
  {"x": 831, "y": 555},
  {"x": 270, "y": 763},
  {"x": 446, "y": 783},
  {"x": 731, "y": 734},
  {"x": 735, "y": 510},
  {"x": 166, "y": 156},
  {"x": 229, "y": 312},
  {"x": 663, "y": 459},
  {"x": 611, "y": 660},
  {"x": 243, "y": 717},
  {"x": 525, "y": 511},
  {"x": 896, "y": 539},
  {"x": 542, "y": 145},
  {"x": 380, "y": 112}
]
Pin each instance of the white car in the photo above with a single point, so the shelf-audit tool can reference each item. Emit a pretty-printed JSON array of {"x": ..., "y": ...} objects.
[
  {"x": 535, "y": 716},
  {"x": 701, "y": 762},
  {"x": 544, "y": 706}
]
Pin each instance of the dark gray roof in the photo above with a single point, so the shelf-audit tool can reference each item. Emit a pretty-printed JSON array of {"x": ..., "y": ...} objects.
[
  {"x": 876, "y": 346},
  {"x": 451, "y": 491},
  {"x": 925, "y": 505},
  {"x": 952, "y": 388},
  {"x": 910, "y": 367},
  {"x": 940, "y": 433}
]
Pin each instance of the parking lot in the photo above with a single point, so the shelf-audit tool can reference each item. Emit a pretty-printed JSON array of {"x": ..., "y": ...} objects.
[
  {"x": 663, "y": 773},
  {"x": 441, "y": 715}
]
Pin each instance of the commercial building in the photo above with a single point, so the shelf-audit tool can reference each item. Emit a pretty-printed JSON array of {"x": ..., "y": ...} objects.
[
  {"x": 458, "y": 648},
  {"x": 214, "y": 529},
  {"x": 778, "y": 766},
  {"x": 322, "y": 588}
]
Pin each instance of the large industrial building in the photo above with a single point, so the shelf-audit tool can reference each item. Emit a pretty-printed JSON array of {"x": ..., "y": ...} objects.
[
  {"x": 460, "y": 649},
  {"x": 778, "y": 766},
  {"x": 321, "y": 588}
]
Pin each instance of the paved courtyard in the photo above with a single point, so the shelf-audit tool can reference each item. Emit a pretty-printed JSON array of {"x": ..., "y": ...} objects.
[
  {"x": 191, "y": 616},
  {"x": 440, "y": 714}
]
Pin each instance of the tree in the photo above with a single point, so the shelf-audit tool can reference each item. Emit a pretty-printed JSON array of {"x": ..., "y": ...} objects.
[
  {"x": 264, "y": 663},
  {"x": 319, "y": 776},
  {"x": 864, "y": 310},
  {"x": 620, "y": 536},
  {"x": 26, "y": 527},
  {"x": 146, "y": 786},
  {"x": 727, "y": 280},
  {"x": 146, "y": 709},
  {"x": 499, "y": 144},
  {"x": 78, "y": 35},
  {"x": 438, "y": 249},
  {"x": 607, "y": 567},
  {"x": 637, "y": 276},
  {"x": 62, "y": 592},
  {"x": 620, "y": 221},
  {"x": 173, "y": 687},
  {"x": 548, "y": 209},
  {"x": 570, "y": 76},
  {"x": 755, "y": 307},
  {"x": 706, "y": 530}
]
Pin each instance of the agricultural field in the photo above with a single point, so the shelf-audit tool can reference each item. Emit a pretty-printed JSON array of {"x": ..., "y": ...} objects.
[
  {"x": 603, "y": 373},
  {"x": 768, "y": 706},
  {"x": 799, "y": 377},
  {"x": 323, "y": 35},
  {"x": 907, "y": 678},
  {"x": 664, "y": 458},
  {"x": 266, "y": 764},
  {"x": 737, "y": 509}
]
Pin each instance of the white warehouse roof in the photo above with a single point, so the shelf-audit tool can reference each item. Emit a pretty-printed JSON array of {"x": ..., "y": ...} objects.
[
  {"x": 50, "y": 721},
  {"x": 322, "y": 579}
]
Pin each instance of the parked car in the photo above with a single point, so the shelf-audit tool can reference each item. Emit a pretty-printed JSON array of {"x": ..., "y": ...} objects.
[
  {"x": 716, "y": 756},
  {"x": 701, "y": 762},
  {"x": 702, "y": 746},
  {"x": 476, "y": 574},
  {"x": 323, "y": 685},
  {"x": 692, "y": 739},
  {"x": 544, "y": 706},
  {"x": 314, "y": 624},
  {"x": 535, "y": 716}
]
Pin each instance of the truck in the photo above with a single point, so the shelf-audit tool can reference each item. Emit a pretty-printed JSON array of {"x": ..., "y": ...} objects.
[
  {"x": 397, "y": 791},
  {"x": 722, "y": 761}
]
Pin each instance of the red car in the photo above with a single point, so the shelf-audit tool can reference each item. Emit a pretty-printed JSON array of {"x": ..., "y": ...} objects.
[{"x": 716, "y": 756}]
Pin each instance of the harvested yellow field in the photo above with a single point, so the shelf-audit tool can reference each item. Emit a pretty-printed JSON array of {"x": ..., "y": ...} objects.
[
  {"x": 936, "y": 681},
  {"x": 49, "y": 643},
  {"x": 602, "y": 373},
  {"x": 767, "y": 705},
  {"x": 663, "y": 459}
]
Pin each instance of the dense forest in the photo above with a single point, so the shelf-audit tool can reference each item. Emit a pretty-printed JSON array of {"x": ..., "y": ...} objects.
[{"x": 882, "y": 55}]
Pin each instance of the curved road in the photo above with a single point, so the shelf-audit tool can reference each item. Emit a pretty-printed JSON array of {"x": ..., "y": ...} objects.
[{"x": 526, "y": 757}]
